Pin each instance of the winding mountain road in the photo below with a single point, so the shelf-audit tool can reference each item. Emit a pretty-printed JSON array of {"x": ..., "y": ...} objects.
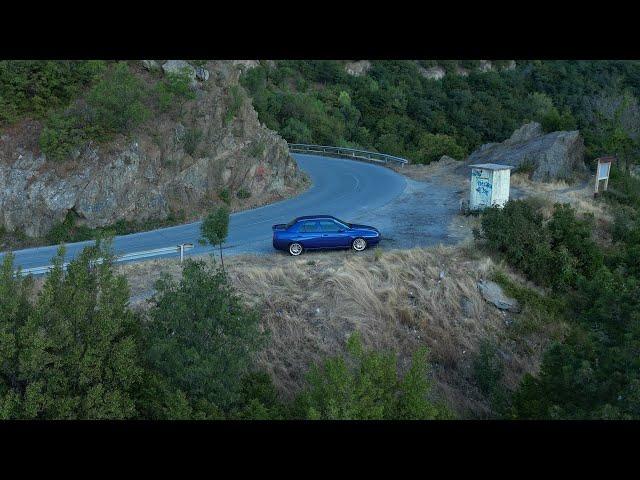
[{"x": 347, "y": 189}]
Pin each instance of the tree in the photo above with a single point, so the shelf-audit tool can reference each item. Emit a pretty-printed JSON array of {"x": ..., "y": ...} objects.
[
  {"x": 365, "y": 385},
  {"x": 15, "y": 309},
  {"x": 215, "y": 228},
  {"x": 432, "y": 147},
  {"x": 201, "y": 342},
  {"x": 76, "y": 355},
  {"x": 117, "y": 101}
]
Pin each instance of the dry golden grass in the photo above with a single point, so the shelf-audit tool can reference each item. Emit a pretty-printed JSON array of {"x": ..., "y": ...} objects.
[
  {"x": 579, "y": 196},
  {"x": 397, "y": 299}
]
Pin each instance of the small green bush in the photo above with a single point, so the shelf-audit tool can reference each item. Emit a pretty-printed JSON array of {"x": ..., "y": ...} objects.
[
  {"x": 243, "y": 193},
  {"x": 225, "y": 196},
  {"x": 173, "y": 91},
  {"x": 257, "y": 149},
  {"x": 191, "y": 139},
  {"x": 117, "y": 102},
  {"x": 236, "y": 103},
  {"x": 113, "y": 105},
  {"x": 36, "y": 87},
  {"x": 554, "y": 253},
  {"x": 67, "y": 231}
]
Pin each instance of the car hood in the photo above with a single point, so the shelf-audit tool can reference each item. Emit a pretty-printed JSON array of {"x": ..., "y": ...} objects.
[{"x": 357, "y": 226}]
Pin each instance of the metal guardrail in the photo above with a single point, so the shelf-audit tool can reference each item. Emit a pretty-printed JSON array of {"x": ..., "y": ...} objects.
[
  {"x": 178, "y": 249},
  {"x": 348, "y": 153}
]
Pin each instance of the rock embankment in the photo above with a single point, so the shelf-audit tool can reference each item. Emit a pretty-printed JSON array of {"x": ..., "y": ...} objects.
[
  {"x": 551, "y": 156},
  {"x": 172, "y": 163}
]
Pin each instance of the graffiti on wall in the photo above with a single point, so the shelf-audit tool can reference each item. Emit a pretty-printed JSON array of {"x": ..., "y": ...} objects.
[{"x": 482, "y": 186}]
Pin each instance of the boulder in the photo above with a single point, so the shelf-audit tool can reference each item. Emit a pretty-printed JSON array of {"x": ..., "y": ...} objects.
[
  {"x": 358, "y": 68},
  {"x": 179, "y": 66},
  {"x": 556, "y": 155},
  {"x": 492, "y": 293},
  {"x": 151, "y": 65},
  {"x": 485, "y": 66},
  {"x": 202, "y": 74},
  {"x": 525, "y": 133},
  {"x": 433, "y": 73},
  {"x": 246, "y": 64}
]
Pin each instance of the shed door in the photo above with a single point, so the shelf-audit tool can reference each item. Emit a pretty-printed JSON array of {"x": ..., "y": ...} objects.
[{"x": 481, "y": 188}]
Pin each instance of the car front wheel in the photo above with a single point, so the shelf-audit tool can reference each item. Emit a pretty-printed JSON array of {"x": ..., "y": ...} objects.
[
  {"x": 295, "y": 249},
  {"x": 359, "y": 244}
]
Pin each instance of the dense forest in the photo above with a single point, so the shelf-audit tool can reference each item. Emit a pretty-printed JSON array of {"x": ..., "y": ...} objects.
[{"x": 395, "y": 109}]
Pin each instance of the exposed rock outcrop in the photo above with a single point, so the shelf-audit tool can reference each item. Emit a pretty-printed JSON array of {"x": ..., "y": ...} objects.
[
  {"x": 170, "y": 163},
  {"x": 433, "y": 73},
  {"x": 151, "y": 65},
  {"x": 358, "y": 68},
  {"x": 179, "y": 66},
  {"x": 556, "y": 155},
  {"x": 492, "y": 293}
]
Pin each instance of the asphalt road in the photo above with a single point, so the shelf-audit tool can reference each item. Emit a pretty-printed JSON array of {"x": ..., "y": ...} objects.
[{"x": 346, "y": 189}]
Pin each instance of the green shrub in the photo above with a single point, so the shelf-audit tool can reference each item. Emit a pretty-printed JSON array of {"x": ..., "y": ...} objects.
[
  {"x": 243, "y": 193},
  {"x": 191, "y": 139},
  {"x": 117, "y": 101},
  {"x": 554, "y": 253},
  {"x": 432, "y": 147},
  {"x": 115, "y": 104},
  {"x": 67, "y": 231},
  {"x": 173, "y": 91},
  {"x": 235, "y": 104},
  {"x": 365, "y": 385},
  {"x": 63, "y": 133},
  {"x": 257, "y": 149},
  {"x": 225, "y": 196},
  {"x": 35, "y": 87}
]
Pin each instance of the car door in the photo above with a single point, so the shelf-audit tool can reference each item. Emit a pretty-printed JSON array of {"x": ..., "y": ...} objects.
[
  {"x": 309, "y": 234},
  {"x": 334, "y": 235}
]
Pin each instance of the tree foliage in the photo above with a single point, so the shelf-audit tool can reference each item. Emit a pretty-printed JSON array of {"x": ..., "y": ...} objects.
[
  {"x": 594, "y": 373},
  {"x": 393, "y": 108},
  {"x": 74, "y": 353},
  {"x": 202, "y": 338},
  {"x": 365, "y": 385},
  {"x": 215, "y": 227}
]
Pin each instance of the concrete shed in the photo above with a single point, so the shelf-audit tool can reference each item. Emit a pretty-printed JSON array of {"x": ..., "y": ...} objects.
[{"x": 490, "y": 184}]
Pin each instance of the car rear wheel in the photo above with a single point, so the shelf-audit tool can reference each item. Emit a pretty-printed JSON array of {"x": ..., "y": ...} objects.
[
  {"x": 295, "y": 249},
  {"x": 359, "y": 244}
]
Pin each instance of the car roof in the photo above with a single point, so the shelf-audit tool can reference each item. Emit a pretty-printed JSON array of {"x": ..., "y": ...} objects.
[{"x": 317, "y": 217}]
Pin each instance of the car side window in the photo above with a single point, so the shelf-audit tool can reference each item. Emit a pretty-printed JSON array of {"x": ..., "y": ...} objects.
[
  {"x": 329, "y": 226},
  {"x": 309, "y": 227}
]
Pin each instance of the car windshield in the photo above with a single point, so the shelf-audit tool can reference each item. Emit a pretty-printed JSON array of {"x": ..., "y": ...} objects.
[{"x": 343, "y": 223}]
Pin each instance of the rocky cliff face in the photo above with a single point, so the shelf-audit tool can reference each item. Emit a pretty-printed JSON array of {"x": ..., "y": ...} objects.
[
  {"x": 556, "y": 155},
  {"x": 171, "y": 163}
]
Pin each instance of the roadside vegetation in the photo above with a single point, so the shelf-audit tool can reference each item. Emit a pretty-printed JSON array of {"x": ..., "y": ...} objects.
[
  {"x": 593, "y": 372},
  {"x": 76, "y": 350}
]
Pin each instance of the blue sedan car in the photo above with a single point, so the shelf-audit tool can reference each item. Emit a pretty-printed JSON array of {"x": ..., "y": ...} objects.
[{"x": 322, "y": 231}]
